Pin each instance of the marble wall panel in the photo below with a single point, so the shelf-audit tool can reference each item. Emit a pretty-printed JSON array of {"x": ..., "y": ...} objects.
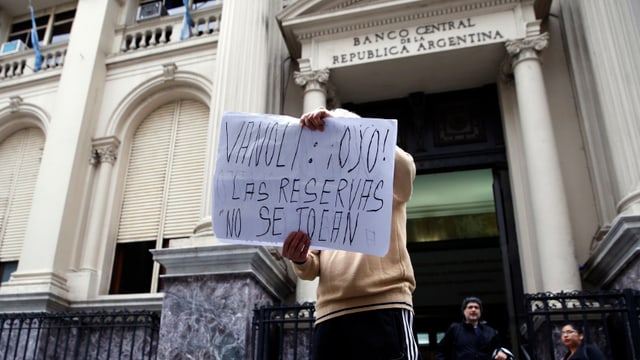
[
  {"x": 629, "y": 277},
  {"x": 209, "y": 316}
]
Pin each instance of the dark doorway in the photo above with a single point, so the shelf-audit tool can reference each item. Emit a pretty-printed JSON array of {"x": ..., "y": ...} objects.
[{"x": 460, "y": 230}]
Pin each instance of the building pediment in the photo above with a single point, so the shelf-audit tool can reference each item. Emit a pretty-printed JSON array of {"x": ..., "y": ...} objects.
[{"x": 316, "y": 19}]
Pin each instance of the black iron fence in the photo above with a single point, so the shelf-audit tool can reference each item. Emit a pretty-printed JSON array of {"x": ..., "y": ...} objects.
[
  {"x": 610, "y": 320},
  {"x": 98, "y": 335},
  {"x": 283, "y": 332}
]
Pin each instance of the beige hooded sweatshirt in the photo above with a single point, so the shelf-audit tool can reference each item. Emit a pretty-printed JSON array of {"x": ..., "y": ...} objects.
[{"x": 350, "y": 282}]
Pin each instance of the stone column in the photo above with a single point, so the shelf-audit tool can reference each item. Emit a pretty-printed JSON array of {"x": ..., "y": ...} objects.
[
  {"x": 104, "y": 154},
  {"x": 614, "y": 50},
  {"x": 241, "y": 78},
  {"x": 606, "y": 75},
  {"x": 51, "y": 231},
  {"x": 315, "y": 95},
  {"x": 553, "y": 235}
]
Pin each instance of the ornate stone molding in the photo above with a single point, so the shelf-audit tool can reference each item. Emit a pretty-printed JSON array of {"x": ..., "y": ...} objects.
[
  {"x": 227, "y": 259},
  {"x": 15, "y": 102},
  {"x": 506, "y": 71},
  {"x": 311, "y": 78},
  {"x": 317, "y": 80},
  {"x": 404, "y": 18},
  {"x": 169, "y": 71},
  {"x": 527, "y": 48},
  {"x": 104, "y": 150}
]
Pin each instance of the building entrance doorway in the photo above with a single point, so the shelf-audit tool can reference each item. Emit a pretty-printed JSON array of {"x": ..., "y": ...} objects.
[{"x": 460, "y": 228}]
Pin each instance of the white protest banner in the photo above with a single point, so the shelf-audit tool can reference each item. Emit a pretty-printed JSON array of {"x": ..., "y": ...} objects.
[{"x": 273, "y": 176}]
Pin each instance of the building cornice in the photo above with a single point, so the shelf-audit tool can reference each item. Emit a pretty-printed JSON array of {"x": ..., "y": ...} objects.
[
  {"x": 619, "y": 248},
  {"x": 226, "y": 259},
  {"x": 403, "y": 18},
  {"x": 301, "y": 23}
]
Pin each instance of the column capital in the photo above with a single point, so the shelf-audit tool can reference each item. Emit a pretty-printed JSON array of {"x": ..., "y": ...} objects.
[
  {"x": 318, "y": 91},
  {"x": 311, "y": 77},
  {"x": 104, "y": 149},
  {"x": 526, "y": 48}
]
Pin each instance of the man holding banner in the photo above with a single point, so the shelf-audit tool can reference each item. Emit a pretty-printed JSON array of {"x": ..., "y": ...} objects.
[{"x": 364, "y": 307}]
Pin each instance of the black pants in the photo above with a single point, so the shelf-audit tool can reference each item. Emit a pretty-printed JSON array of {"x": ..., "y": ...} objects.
[{"x": 377, "y": 334}]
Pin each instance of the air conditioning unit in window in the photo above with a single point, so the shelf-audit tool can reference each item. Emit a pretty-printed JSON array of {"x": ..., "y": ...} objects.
[
  {"x": 150, "y": 10},
  {"x": 12, "y": 47}
]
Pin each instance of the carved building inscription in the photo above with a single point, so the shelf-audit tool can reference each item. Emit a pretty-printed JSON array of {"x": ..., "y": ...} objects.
[{"x": 424, "y": 38}]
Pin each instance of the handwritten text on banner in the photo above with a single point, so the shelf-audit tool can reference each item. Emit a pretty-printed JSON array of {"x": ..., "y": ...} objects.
[{"x": 273, "y": 177}]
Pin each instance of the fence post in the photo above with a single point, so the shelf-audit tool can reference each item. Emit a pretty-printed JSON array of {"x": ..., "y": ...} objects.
[{"x": 631, "y": 298}]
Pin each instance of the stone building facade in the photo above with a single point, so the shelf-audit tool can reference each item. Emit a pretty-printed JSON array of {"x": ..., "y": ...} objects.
[{"x": 107, "y": 152}]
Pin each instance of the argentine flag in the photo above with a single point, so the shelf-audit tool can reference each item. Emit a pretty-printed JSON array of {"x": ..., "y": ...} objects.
[
  {"x": 185, "y": 33},
  {"x": 34, "y": 42}
]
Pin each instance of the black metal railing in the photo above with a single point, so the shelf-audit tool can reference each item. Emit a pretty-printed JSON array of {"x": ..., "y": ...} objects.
[
  {"x": 610, "y": 320},
  {"x": 283, "y": 331},
  {"x": 98, "y": 335}
]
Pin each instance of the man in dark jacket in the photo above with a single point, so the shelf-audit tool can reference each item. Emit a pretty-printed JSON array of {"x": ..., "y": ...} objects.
[{"x": 471, "y": 338}]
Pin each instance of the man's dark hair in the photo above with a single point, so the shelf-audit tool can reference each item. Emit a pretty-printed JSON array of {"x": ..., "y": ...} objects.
[{"x": 469, "y": 299}]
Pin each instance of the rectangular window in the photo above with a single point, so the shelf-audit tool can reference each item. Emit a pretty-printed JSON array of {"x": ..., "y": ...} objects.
[
  {"x": 173, "y": 7},
  {"x": 53, "y": 24},
  {"x": 423, "y": 338},
  {"x": 132, "y": 268},
  {"x": 22, "y": 30},
  {"x": 6, "y": 269},
  {"x": 62, "y": 26},
  {"x": 452, "y": 206},
  {"x": 136, "y": 261}
]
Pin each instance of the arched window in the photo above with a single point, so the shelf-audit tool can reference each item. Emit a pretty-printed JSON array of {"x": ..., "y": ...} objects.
[
  {"x": 20, "y": 155},
  {"x": 162, "y": 191}
]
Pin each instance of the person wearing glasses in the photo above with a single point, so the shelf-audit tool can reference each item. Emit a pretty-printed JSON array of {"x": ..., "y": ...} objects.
[
  {"x": 472, "y": 338},
  {"x": 573, "y": 339}
]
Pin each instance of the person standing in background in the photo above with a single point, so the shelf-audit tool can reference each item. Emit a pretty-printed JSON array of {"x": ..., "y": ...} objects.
[
  {"x": 471, "y": 338},
  {"x": 573, "y": 339}
]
